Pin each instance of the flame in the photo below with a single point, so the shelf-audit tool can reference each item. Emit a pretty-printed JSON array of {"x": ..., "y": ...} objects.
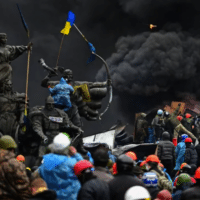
[{"x": 151, "y": 26}]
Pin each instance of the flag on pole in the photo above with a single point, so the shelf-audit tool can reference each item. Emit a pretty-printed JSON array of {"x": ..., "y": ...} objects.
[
  {"x": 69, "y": 23},
  {"x": 23, "y": 22},
  {"x": 92, "y": 49}
]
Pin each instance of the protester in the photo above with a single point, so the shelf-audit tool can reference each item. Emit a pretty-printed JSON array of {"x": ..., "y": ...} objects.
[
  {"x": 152, "y": 166},
  {"x": 180, "y": 152},
  {"x": 137, "y": 192},
  {"x": 183, "y": 183},
  {"x": 164, "y": 195},
  {"x": 57, "y": 168},
  {"x": 40, "y": 190},
  {"x": 164, "y": 170},
  {"x": 166, "y": 152},
  {"x": 14, "y": 182},
  {"x": 124, "y": 178},
  {"x": 198, "y": 152},
  {"x": 193, "y": 192},
  {"x": 188, "y": 122},
  {"x": 150, "y": 181},
  {"x": 101, "y": 158},
  {"x": 190, "y": 152},
  {"x": 158, "y": 124},
  {"x": 92, "y": 187}
]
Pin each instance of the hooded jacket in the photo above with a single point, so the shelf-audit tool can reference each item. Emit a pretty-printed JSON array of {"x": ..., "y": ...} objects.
[
  {"x": 57, "y": 171},
  {"x": 14, "y": 183},
  {"x": 191, "y": 156},
  {"x": 180, "y": 154},
  {"x": 61, "y": 94},
  {"x": 166, "y": 149}
]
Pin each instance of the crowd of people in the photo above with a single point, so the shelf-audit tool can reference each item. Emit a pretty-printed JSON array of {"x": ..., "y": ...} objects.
[{"x": 173, "y": 172}]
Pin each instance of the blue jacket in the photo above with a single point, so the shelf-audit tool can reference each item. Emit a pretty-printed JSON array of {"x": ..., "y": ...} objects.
[
  {"x": 180, "y": 154},
  {"x": 61, "y": 94},
  {"x": 57, "y": 171}
]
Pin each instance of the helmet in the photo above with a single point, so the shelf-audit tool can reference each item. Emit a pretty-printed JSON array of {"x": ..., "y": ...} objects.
[
  {"x": 49, "y": 100},
  {"x": 182, "y": 165},
  {"x": 197, "y": 173},
  {"x": 187, "y": 140},
  {"x": 124, "y": 163},
  {"x": 160, "y": 112},
  {"x": 20, "y": 158},
  {"x": 150, "y": 179},
  {"x": 82, "y": 165},
  {"x": 183, "y": 178},
  {"x": 152, "y": 158},
  {"x": 68, "y": 74},
  {"x": 7, "y": 142},
  {"x": 161, "y": 165},
  {"x": 184, "y": 136},
  {"x": 142, "y": 163},
  {"x": 164, "y": 195},
  {"x": 132, "y": 155},
  {"x": 137, "y": 192},
  {"x": 188, "y": 115},
  {"x": 179, "y": 118}
]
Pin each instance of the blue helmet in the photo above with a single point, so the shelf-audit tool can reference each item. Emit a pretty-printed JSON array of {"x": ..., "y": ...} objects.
[
  {"x": 183, "y": 137},
  {"x": 150, "y": 179},
  {"x": 160, "y": 112}
]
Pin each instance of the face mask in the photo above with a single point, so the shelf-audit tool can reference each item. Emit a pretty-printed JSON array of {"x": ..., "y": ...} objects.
[{"x": 148, "y": 167}]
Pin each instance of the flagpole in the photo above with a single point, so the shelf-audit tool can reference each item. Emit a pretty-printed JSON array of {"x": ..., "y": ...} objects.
[
  {"x": 80, "y": 33},
  {"x": 59, "y": 52}
]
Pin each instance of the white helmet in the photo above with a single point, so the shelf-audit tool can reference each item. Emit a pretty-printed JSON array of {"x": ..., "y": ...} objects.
[{"x": 137, "y": 193}]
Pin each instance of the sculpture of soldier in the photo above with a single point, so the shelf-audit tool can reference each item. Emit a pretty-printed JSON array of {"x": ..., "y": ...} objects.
[
  {"x": 12, "y": 105},
  {"x": 8, "y": 54},
  {"x": 85, "y": 100},
  {"x": 48, "y": 121}
]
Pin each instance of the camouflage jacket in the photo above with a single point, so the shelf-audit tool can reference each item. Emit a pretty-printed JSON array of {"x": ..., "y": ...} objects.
[{"x": 14, "y": 183}]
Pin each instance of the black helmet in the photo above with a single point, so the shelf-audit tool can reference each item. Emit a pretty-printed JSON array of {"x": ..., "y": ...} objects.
[
  {"x": 68, "y": 74},
  {"x": 124, "y": 164},
  {"x": 3, "y": 36}
]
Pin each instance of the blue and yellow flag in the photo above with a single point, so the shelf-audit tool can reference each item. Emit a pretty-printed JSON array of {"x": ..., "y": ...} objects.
[
  {"x": 69, "y": 23},
  {"x": 92, "y": 49}
]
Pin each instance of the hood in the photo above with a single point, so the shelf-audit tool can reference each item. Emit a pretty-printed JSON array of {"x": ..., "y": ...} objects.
[
  {"x": 63, "y": 81},
  {"x": 51, "y": 161},
  {"x": 166, "y": 136},
  {"x": 6, "y": 155}
]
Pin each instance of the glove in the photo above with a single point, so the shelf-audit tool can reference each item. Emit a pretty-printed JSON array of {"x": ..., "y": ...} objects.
[{"x": 45, "y": 140}]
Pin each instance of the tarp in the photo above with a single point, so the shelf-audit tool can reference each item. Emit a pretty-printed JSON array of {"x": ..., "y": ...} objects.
[
  {"x": 141, "y": 150},
  {"x": 107, "y": 137}
]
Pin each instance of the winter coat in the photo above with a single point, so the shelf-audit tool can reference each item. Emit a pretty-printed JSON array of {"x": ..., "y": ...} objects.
[
  {"x": 57, "y": 171},
  {"x": 120, "y": 184},
  {"x": 191, "y": 155},
  {"x": 198, "y": 153},
  {"x": 193, "y": 193},
  {"x": 180, "y": 154},
  {"x": 103, "y": 174},
  {"x": 187, "y": 123},
  {"x": 46, "y": 195},
  {"x": 14, "y": 183},
  {"x": 61, "y": 94},
  {"x": 163, "y": 182},
  {"x": 94, "y": 189},
  {"x": 166, "y": 149}
]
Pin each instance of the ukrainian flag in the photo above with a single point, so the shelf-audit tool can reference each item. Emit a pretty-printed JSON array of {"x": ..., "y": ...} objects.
[{"x": 69, "y": 23}]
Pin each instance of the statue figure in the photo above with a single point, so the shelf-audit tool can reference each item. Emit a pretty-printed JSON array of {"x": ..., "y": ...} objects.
[
  {"x": 8, "y": 54},
  {"x": 48, "y": 121},
  {"x": 12, "y": 105}
]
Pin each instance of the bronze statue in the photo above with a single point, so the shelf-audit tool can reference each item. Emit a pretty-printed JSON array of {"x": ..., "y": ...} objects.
[
  {"x": 48, "y": 121},
  {"x": 7, "y": 54},
  {"x": 11, "y": 109}
]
